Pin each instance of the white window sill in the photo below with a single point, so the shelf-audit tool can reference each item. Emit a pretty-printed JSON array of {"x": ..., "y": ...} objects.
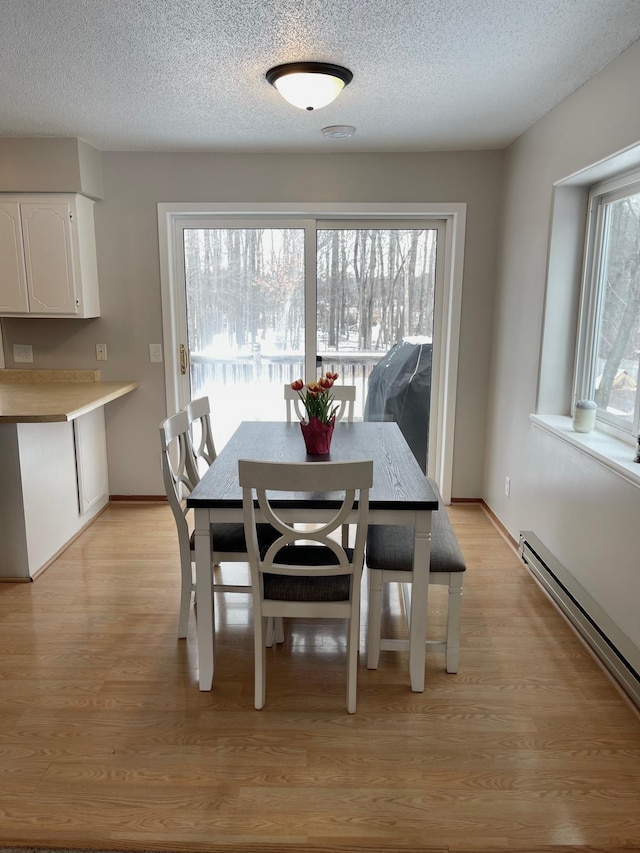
[{"x": 614, "y": 454}]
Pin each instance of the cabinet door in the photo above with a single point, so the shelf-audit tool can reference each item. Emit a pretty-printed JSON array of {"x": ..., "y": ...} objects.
[
  {"x": 46, "y": 228},
  {"x": 13, "y": 283}
]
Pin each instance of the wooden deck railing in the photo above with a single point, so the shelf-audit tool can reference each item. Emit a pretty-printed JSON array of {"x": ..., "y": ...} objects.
[{"x": 353, "y": 368}]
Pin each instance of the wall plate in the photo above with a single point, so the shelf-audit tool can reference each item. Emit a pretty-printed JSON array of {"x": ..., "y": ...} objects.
[{"x": 23, "y": 353}]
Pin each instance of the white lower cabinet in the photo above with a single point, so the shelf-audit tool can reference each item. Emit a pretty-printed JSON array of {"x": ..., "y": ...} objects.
[
  {"x": 48, "y": 265},
  {"x": 53, "y": 481}
]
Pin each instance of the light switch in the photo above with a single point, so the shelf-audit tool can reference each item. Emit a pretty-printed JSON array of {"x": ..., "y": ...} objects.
[{"x": 155, "y": 352}]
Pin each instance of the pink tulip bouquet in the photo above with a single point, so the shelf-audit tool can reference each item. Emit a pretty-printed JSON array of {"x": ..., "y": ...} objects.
[{"x": 317, "y": 399}]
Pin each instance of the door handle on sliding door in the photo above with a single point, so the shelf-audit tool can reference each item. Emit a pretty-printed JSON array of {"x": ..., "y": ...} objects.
[{"x": 184, "y": 359}]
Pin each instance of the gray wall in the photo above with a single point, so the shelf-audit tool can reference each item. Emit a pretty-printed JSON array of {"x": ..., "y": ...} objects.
[
  {"x": 45, "y": 165},
  {"x": 584, "y": 514},
  {"x": 128, "y": 268}
]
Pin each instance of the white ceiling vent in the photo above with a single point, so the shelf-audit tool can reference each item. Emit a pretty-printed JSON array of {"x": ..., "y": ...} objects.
[{"x": 338, "y": 131}]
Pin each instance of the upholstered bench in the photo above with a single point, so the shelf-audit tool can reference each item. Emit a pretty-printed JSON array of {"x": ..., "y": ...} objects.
[{"x": 389, "y": 559}]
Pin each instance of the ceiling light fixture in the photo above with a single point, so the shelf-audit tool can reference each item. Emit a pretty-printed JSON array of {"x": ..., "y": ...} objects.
[{"x": 309, "y": 85}]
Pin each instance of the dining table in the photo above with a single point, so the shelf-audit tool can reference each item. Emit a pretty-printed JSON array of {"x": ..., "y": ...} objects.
[{"x": 400, "y": 494}]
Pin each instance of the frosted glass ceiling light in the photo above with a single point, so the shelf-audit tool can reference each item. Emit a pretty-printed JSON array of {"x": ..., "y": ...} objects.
[{"x": 309, "y": 85}]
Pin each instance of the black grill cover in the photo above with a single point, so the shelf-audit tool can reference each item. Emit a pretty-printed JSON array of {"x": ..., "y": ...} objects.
[{"x": 400, "y": 390}]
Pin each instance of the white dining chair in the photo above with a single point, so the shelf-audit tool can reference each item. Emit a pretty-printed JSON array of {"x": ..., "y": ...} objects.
[
  {"x": 180, "y": 477},
  {"x": 317, "y": 580},
  {"x": 201, "y": 434},
  {"x": 344, "y": 395}
]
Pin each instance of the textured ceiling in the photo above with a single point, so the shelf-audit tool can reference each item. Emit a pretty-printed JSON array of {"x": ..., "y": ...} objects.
[{"x": 189, "y": 75}]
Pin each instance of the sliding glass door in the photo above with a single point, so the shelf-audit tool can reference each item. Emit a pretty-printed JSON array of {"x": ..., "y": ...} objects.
[
  {"x": 251, "y": 302},
  {"x": 244, "y": 300},
  {"x": 266, "y": 302},
  {"x": 375, "y": 287},
  {"x": 362, "y": 290}
]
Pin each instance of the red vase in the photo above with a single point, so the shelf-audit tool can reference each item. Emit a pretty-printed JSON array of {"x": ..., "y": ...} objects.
[{"x": 317, "y": 436}]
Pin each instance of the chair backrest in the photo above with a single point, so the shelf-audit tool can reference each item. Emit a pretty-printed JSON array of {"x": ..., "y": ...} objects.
[
  {"x": 202, "y": 444},
  {"x": 178, "y": 472},
  {"x": 345, "y": 395},
  {"x": 258, "y": 479}
]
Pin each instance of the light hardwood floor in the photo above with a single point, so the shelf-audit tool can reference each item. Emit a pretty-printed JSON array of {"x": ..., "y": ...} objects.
[{"x": 106, "y": 741}]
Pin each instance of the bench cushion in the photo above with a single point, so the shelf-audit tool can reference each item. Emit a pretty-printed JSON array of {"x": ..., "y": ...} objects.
[{"x": 390, "y": 546}]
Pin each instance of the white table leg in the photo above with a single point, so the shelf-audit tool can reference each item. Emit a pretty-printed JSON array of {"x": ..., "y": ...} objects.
[
  {"x": 419, "y": 599},
  {"x": 204, "y": 598}
]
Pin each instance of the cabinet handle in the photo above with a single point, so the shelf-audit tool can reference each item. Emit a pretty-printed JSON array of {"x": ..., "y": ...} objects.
[{"x": 184, "y": 359}]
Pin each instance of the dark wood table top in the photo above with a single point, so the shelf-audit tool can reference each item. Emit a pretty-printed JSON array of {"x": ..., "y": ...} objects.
[{"x": 398, "y": 481}]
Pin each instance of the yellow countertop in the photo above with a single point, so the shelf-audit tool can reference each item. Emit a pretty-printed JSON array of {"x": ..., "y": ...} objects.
[{"x": 48, "y": 396}]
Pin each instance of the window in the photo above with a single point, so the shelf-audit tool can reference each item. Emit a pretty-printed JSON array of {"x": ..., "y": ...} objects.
[{"x": 609, "y": 344}]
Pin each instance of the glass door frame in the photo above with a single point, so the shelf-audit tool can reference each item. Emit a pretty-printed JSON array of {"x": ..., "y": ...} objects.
[
  {"x": 179, "y": 307},
  {"x": 173, "y": 217}
]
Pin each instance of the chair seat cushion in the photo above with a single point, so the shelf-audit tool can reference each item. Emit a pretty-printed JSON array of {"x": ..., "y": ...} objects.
[
  {"x": 390, "y": 546},
  {"x": 300, "y": 588},
  {"x": 229, "y": 538}
]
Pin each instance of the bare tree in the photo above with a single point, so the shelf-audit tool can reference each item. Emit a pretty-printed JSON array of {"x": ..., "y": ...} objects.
[
  {"x": 619, "y": 337},
  {"x": 248, "y": 284}
]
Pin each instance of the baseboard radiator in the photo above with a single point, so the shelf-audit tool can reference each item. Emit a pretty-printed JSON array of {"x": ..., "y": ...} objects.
[{"x": 612, "y": 647}]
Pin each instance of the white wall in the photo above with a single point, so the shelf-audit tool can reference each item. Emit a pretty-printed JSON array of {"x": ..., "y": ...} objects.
[
  {"x": 128, "y": 268},
  {"x": 584, "y": 514}
]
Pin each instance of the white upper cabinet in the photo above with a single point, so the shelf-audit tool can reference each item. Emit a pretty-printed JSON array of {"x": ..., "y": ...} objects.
[
  {"x": 13, "y": 279},
  {"x": 48, "y": 257}
]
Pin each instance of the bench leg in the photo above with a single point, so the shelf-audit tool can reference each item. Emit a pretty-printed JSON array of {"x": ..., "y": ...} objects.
[
  {"x": 419, "y": 601},
  {"x": 452, "y": 653},
  {"x": 374, "y": 618}
]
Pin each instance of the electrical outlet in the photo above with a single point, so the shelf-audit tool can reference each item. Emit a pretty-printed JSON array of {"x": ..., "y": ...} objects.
[
  {"x": 23, "y": 353},
  {"x": 155, "y": 352},
  {"x": 101, "y": 352},
  {"x": 507, "y": 486}
]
